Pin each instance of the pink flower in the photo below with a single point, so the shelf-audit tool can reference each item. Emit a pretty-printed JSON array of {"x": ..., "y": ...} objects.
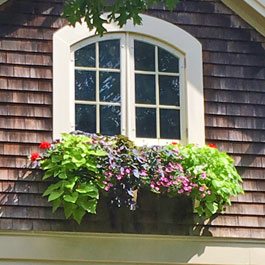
[
  {"x": 127, "y": 170},
  {"x": 201, "y": 188},
  {"x": 209, "y": 192},
  {"x": 143, "y": 173},
  {"x": 119, "y": 177},
  {"x": 203, "y": 175},
  {"x": 169, "y": 170},
  {"x": 152, "y": 185},
  {"x": 180, "y": 191},
  {"x": 44, "y": 145},
  {"x": 157, "y": 188},
  {"x": 106, "y": 188},
  {"x": 203, "y": 195},
  {"x": 105, "y": 182}
]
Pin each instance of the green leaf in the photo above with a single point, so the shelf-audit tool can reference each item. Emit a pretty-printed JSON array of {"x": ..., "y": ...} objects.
[
  {"x": 68, "y": 209},
  {"x": 47, "y": 174},
  {"x": 51, "y": 188},
  {"x": 89, "y": 205},
  {"x": 88, "y": 189},
  {"x": 71, "y": 198},
  {"x": 97, "y": 153},
  {"x": 78, "y": 214},
  {"x": 55, "y": 195},
  {"x": 56, "y": 205},
  {"x": 212, "y": 207},
  {"x": 62, "y": 175}
]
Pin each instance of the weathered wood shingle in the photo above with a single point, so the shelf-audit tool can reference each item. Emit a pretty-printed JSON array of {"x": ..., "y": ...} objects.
[{"x": 234, "y": 93}]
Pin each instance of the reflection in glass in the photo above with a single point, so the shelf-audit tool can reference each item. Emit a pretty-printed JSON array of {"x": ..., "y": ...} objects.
[
  {"x": 145, "y": 89},
  {"x": 169, "y": 124},
  {"x": 85, "y": 88},
  {"x": 109, "y": 87},
  {"x": 109, "y": 54},
  {"x": 110, "y": 120},
  {"x": 85, "y": 118},
  {"x": 167, "y": 62},
  {"x": 86, "y": 56},
  {"x": 144, "y": 55},
  {"x": 146, "y": 122},
  {"x": 169, "y": 90}
]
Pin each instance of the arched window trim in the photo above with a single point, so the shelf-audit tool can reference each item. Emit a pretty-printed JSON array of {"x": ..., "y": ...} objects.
[{"x": 67, "y": 38}]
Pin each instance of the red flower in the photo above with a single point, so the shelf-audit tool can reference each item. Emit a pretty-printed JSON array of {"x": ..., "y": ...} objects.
[
  {"x": 212, "y": 145},
  {"x": 44, "y": 145},
  {"x": 34, "y": 156},
  {"x": 174, "y": 143}
]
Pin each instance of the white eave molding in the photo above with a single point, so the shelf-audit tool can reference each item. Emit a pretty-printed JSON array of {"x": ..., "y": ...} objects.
[
  {"x": 3, "y": 1},
  {"x": 252, "y": 11}
]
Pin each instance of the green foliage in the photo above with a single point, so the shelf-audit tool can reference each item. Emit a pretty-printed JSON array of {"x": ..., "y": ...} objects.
[
  {"x": 119, "y": 11},
  {"x": 84, "y": 166}
]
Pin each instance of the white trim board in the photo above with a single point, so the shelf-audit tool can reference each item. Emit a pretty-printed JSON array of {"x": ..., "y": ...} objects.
[{"x": 101, "y": 248}]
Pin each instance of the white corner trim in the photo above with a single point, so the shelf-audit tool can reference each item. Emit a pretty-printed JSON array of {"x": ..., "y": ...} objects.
[{"x": 151, "y": 27}]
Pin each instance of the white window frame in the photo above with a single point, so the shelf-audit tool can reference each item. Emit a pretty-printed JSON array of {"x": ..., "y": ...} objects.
[{"x": 153, "y": 29}]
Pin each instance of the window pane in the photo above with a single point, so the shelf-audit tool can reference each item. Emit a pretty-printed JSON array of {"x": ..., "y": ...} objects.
[
  {"x": 109, "y": 54},
  {"x": 169, "y": 124},
  {"x": 145, "y": 89},
  {"x": 109, "y": 87},
  {"x": 146, "y": 122},
  {"x": 169, "y": 90},
  {"x": 86, "y": 56},
  {"x": 144, "y": 55},
  {"x": 85, "y": 88},
  {"x": 110, "y": 120},
  {"x": 167, "y": 62},
  {"x": 85, "y": 118}
]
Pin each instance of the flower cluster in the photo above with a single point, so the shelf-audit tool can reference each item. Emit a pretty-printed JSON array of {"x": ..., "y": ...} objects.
[{"x": 83, "y": 164}]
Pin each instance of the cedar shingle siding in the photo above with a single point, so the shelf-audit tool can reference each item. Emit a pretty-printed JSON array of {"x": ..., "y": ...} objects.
[{"x": 234, "y": 71}]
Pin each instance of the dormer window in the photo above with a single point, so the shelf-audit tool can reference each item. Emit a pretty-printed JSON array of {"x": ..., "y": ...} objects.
[{"x": 144, "y": 82}]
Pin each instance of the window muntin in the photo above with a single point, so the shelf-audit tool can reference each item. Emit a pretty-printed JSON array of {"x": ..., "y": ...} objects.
[{"x": 134, "y": 91}]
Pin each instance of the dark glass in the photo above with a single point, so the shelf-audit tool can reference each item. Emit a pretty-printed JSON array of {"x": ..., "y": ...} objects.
[
  {"x": 169, "y": 90},
  {"x": 85, "y": 85},
  {"x": 144, "y": 55},
  {"x": 146, "y": 122},
  {"x": 110, "y": 120},
  {"x": 86, "y": 56},
  {"x": 145, "y": 89},
  {"x": 109, "y": 87},
  {"x": 169, "y": 124},
  {"x": 109, "y": 54},
  {"x": 85, "y": 118},
  {"x": 167, "y": 62}
]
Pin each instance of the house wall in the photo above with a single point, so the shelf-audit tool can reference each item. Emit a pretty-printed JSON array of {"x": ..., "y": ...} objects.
[{"x": 234, "y": 71}]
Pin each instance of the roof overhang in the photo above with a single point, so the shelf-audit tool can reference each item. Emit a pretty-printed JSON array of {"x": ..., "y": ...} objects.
[{"x": 252, "y": 11}]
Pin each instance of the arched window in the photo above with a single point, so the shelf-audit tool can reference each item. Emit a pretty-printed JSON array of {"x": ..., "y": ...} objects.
[{"x": 144, "y": 82}]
